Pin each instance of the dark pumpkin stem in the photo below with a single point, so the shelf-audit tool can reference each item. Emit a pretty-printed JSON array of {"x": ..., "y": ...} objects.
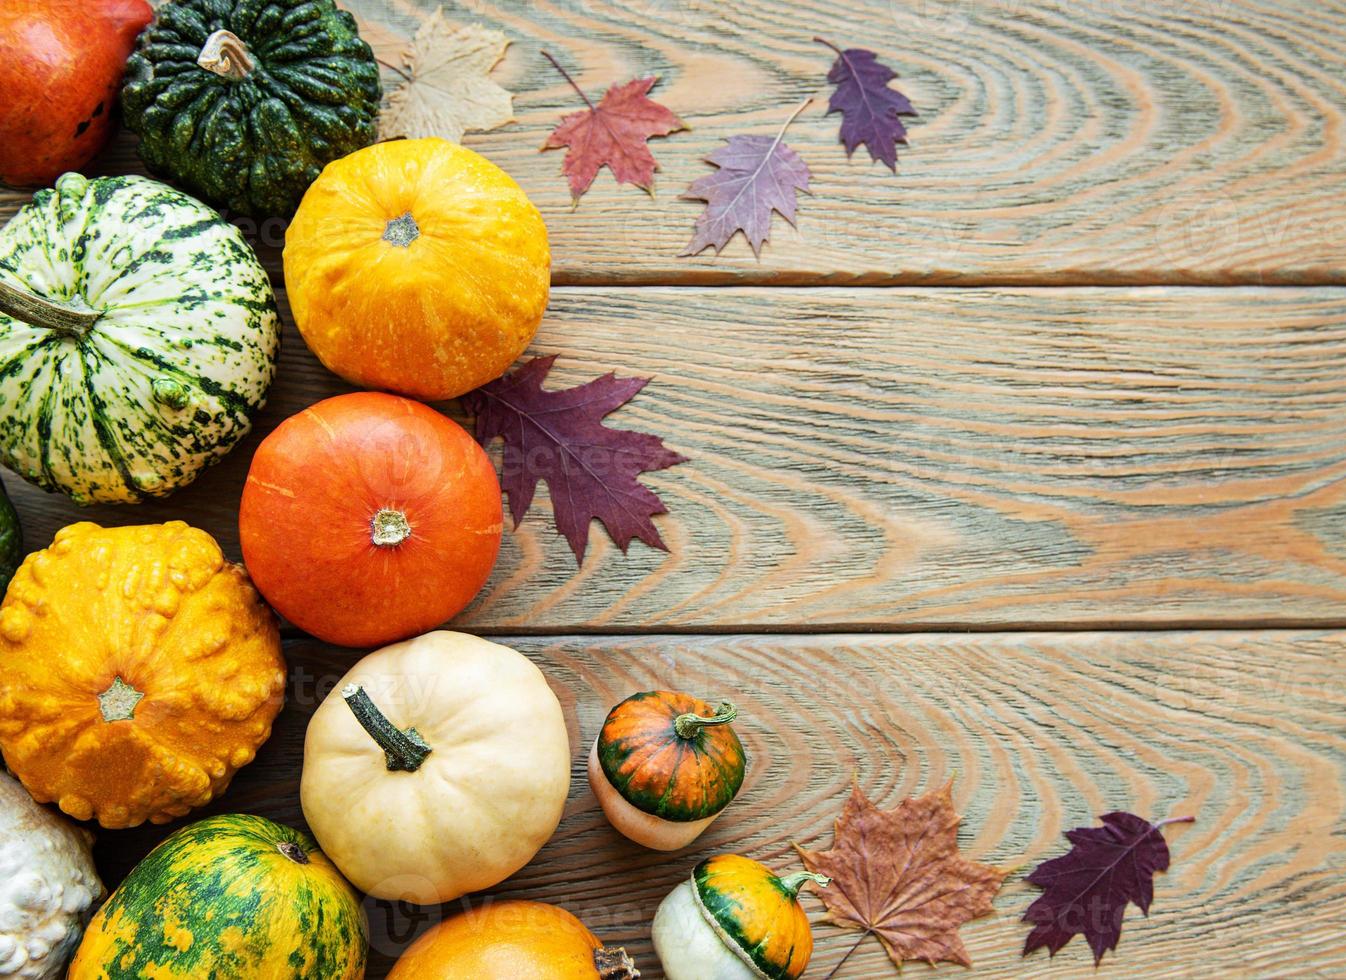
[
  {"x": 612, "y": 963},
  {"x": 38, "y": 312},
  {"x": 405, "y": 750},
  {"x": 792, "y": 883},
  {"x": 687, "y": 726},
  {"x": 226, "y": 55},
  {"x": 293, "y": 851},
  {"x": 557, "y": 65}
]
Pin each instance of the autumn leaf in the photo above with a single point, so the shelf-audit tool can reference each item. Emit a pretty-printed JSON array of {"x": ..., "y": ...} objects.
[
  {"x": 447, "y": 91},
  {"x": 1086, "y": 890},
  {"x": 898, "y": 874},
  {"x": 611, "y": 134},
  {"x": 870, "y": 111},
  {"x": 558, "y": 436},
  {"x": 756, "y": 175}
]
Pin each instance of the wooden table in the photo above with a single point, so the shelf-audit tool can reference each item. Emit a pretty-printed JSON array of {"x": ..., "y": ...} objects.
[{"x": 1070, "y": 528}]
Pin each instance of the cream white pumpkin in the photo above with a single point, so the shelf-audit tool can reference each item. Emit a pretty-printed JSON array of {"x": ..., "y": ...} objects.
[
  {"x": 48, "y": 886},
  {"x": 437, "y": 767}
]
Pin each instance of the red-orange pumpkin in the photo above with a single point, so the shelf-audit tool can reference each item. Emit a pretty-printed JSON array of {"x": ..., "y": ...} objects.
[{"x": 369, "y": 518}]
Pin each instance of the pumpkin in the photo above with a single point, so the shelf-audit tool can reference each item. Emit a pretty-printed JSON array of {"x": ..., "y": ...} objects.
[
  {"x": 232, "y": 896},
  {"x": 369, "y": 518},
  {"x": 512, "y": 940},
  {"x": 437, "y": 767},
  {"x": 138, "y": 336},
  {"x": 417, "y": 266},
  {"x": 11, "y": 540},
  {"x": 138, "y": 671},
  {"x": 48, "y": 886},
  {"x": 61, "y": 64},
  {"x": 243, "y": 101},
  {"x": 664, "y": 765},
  {"x": 734, "y": 920}
]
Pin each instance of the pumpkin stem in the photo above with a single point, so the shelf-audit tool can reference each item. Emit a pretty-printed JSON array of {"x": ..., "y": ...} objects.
[
  {"x": 118, "y": 702},
  {"x": 389, "y": 528},
  {"x": 405, "y": 750},
  {"x": 792, "y": 883},
  {"x": 686, "y": 726},
  {"x": 226, "y": 55},
  {"x": 293, "y": 851},
  {"x": 402, "y": 230},
  {"x": 612, "y": 963},
  {"x": 38, "y": 312}
]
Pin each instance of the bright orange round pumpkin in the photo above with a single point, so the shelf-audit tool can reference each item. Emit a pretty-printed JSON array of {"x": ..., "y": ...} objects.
[
  {"x": 417, "y": 266},
  {"x": 138, "y": 670},
  {"x": 369, "y": 518},
  {"x": 512, "y": 940}
]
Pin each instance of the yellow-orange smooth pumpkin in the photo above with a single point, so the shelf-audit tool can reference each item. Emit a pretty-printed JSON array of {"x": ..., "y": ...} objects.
[
  {"x": 138, "y": 670},
  {"x": 417, "y": 267},
  {"x": 512, "y": 940}
]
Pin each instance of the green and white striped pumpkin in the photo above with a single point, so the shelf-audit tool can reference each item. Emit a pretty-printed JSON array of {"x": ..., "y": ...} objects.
[{"x": 138, "y": 337}]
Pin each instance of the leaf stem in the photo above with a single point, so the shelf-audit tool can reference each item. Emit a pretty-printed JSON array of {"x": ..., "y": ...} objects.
[
  {"x": 823, "y": 40},
  {"x": 393, "y": 68},
  {"x": 1165, "y": 823},
  {"x": 842, "y": 961},
  {"x": 565, "y": 74}
]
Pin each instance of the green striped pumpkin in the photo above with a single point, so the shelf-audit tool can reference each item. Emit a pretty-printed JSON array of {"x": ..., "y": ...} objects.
[
  {"x": 232, "y": 897},
  {"x": 138, "y": 337}
]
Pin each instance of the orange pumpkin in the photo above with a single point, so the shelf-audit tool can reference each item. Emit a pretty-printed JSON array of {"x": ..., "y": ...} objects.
[
  {"x": 512, "y": 940},
  {"x": 138, "y": 671},
  {"x": 369, "y": 518},
  {"x": 417, "y": 266},
  {"x": 664, "y": 765}
]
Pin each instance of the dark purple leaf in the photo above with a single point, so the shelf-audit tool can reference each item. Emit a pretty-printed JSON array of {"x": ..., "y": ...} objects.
[
  {"x": 870, "y": 111},
  {"x": 559, "y": 437},
  {"x": 757, "y": 175},
  {"x": 1085, "y": 891}
]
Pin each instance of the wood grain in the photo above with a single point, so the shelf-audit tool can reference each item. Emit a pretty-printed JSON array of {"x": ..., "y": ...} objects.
[
  {"x": 1101, "y": 141},
  {"x": 1039, "y": 732},
  {"x": 919, "y": 458}
]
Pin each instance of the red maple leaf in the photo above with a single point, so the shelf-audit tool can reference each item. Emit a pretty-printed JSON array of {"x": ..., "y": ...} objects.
[
  {"x": 558, "y": 436},
  {"x": 612, "y": 134},
  {"x": 1086, "y": 890}
]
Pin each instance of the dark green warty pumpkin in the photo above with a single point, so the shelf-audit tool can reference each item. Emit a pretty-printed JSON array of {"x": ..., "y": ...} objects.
[{"x": 244, "y": 101}]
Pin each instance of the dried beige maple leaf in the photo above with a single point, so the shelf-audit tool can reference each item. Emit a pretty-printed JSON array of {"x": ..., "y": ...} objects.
[
  {"x": 448, "y": 91},
  {"x": 898, "y": 874}
]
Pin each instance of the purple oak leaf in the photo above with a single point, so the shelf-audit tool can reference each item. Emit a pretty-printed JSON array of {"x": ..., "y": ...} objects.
[
  {"x": 870, "y": 111},
  {"x": 558, "y": 436},
  {"x": 1086, "y": 891},
  {"x": 757, "y": 175}
]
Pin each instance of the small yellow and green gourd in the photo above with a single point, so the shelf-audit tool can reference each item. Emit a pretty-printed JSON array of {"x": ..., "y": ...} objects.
[
  {"x": 138, "y": 670},
  {"x": 665, "y": 765},
  {"x": 48, "y": 886},
  {"x": 735, "y": 920},
  {"x": 234, "y": 896},
  {"x": 138, "y": 338}
]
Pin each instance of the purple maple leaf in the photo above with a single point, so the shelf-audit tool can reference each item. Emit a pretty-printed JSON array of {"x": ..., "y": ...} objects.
[
  {"x": 1087, "y": 889},
  {"x": 870, "y": 111},
  {"x": 757, "y": 175},
  {"x": 559, "y": 437}
]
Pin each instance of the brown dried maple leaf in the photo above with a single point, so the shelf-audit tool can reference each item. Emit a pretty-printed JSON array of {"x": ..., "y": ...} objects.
[
  {"x": 611, "y": 134},
  {"x": 898, "y": 874}
]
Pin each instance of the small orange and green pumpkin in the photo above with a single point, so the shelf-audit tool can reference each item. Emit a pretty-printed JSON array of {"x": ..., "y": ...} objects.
[
  {"x": 665, "y": 765},
  {"x": 733, "y": 919},
  {"x": 228, "y": 896}
]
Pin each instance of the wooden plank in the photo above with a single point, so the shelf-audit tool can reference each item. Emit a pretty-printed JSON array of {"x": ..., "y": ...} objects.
[
  {"x": 1039, "y": 732},
  {"x": 919, "y": 458},
  {"x": 1105, "y": 141}
]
